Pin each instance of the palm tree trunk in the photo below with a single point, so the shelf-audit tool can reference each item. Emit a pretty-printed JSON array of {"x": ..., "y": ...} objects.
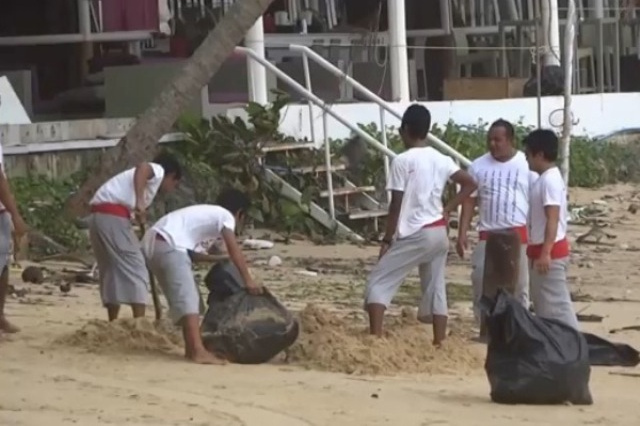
[{"x": 141, "y": 141}]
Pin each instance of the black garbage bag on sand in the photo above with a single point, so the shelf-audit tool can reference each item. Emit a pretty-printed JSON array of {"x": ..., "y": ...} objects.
[
  {"x": 531, "y": 360},
  {"x": 605, "y": 353},
  {"x": 244, "y": 328}
]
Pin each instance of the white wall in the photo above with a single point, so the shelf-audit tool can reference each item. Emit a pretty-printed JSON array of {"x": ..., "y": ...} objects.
[
  {"x": 596, "y": 115},
  {"x": 11, "y": 109}
]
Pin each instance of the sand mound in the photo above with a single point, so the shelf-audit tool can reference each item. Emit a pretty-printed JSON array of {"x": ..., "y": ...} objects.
[
  {"x": 328, "y": 342},
  {"x": 125, "y": 335}
]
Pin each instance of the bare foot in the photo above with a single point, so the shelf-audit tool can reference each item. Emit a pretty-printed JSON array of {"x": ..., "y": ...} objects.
[
  {"x": 7, "y": 327},
  {"x": 205, "y": 357}
]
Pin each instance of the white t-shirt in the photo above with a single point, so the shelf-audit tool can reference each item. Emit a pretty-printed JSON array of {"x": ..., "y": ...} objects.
[
  {"x": 421, "y": 174},
  {"x": 548, "y": 190},
  {"x": 503, "y": 191},
  {"x": 185, "y": 228},
  {"x": 120, "y": 188}
]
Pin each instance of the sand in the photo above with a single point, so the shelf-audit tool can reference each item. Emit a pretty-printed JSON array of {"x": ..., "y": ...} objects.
[
  {"x": 67, "y": 367},
  {"x": 125, "y": 335},
  {"x": 328, "y": 342}
]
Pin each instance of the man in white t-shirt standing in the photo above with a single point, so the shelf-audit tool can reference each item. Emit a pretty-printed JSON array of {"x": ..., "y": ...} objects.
[
  {"x": 548, "y": 249},
  {"x": 124, "y": 278},
  {"x": 502, "y": 198},
  {"x": 9, "y": 215},
  {"x": 168, "y": 247},
  {"x": 416, "y": 233}
]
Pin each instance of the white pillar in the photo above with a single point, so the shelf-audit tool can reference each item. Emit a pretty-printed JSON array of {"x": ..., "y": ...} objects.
[
  {"x": 257, "y": 74},
  {"x": 398, "y": 51},
  {"x": 551, "y": 32},
  {"x": 598, "y": 8}
]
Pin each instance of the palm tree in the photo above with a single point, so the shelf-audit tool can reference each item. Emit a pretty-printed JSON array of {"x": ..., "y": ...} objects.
[{"x": 141, "y": 141}]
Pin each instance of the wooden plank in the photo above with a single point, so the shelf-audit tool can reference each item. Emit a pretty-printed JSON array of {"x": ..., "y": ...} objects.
[
  {"x": 319, "y": 169},
  {"x": 365, "y": 214},
  {"x": 348, "y": 191},
  {"x": 483, "y": 88}
]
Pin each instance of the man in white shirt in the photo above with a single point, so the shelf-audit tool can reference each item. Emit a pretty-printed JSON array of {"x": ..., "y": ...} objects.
[
  {"x": 124, "y": 278},
  {"x": 548, "y": 249},
  {"x": 502, "y": 198},
  {"x": 168, "y": 247},
  {"x": 9, "y": 215},
  {"x": 416, "y": 233}
]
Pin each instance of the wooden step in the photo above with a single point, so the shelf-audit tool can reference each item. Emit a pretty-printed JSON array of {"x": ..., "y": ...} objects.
[
  {"x": 366, "y": 214},
  {"x": 348, "y": 191},
  {"x": 318, "y": 169},
  {"x": 281, "y": 147}
]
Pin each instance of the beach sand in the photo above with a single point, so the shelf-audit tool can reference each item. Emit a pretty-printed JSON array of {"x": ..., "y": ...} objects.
[{"x": 68, "y": 366}]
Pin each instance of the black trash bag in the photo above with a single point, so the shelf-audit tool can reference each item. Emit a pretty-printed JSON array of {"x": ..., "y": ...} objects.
[
  {"x": 244, "y": 328},
  {"x": 605, "y": 353},
  {"x": 223, "y": 281},
  {"x": 532, "y": 360}
]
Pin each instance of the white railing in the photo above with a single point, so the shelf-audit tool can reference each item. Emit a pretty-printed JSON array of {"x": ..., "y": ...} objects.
[
  {"x": 327, "y": 111},
  {"x": 384, "y": 106}
]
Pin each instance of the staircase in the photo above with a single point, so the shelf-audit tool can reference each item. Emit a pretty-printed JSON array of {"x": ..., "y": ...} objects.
[
  {"x": 339, "y": 204},
  {"x": 351, "y": 210}
]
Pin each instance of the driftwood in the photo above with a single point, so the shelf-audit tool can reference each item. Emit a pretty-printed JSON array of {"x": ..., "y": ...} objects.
[
  {"x": 627, "y": 328},
  {"x": 596, "y": 234}
]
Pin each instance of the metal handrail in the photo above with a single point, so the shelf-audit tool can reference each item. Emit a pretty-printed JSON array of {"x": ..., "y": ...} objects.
[
  {"x": 316, "y": 100},
  {"x": 326, "y": 111},
  {"x": 438, "y": 143}
]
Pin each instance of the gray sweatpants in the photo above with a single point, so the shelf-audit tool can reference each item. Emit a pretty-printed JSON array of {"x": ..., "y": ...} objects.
[
  {"x": 124, "y": 278},
  {"x": 5, "y": 240},
  {"x": 550, "y": 293},
  {"x": 427, "y": 250},
  {"x": 477, "y": 274},
  {"x": 173, "y": 270}
]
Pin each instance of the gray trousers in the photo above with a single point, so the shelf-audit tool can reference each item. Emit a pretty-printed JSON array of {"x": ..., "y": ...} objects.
[
  {"x": 5, "y": 240},
  {"x": 124, "y": 278},
  {"x": 426, "y": 250},
  {"x": 477, "y": 274},
  {"x": 173, "y": 270},
  {"x": 550, "y": 293}
]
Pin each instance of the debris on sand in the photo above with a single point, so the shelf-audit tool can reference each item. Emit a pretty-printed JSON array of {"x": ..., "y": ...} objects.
[
  {"x": 125, "y": 335},
  {"x": 328, "y": 342},
  {"x": 33, "y": 274}
]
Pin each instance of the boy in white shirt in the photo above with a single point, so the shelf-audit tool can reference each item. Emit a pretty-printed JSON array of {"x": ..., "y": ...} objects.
[
  {"x": 9, "y": 215},
  {"x": 168, "y": 247},
  {"x": 124, "y": 278},
  {"x": 416, "y": 233},
  {"x": 502, "y": 198},
  {"x": 548, "y": 249}
]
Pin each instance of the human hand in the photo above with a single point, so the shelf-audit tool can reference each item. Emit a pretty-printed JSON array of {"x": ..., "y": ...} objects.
[
  {"x": 140, "y": 214},
  {"x": 383, "y": 249},
  {"x": 542, "y": 263},
  {"x": 254, "y": 287}
]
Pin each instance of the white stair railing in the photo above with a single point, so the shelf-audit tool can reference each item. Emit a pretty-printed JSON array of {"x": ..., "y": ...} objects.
[
  {"x": 308, "y": 53},
  {"x": 327, "y": 111},
  {"x": 316, "y": 100}
]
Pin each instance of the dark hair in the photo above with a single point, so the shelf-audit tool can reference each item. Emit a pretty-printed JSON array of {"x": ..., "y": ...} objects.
[
  {"x": 169, "y": 164},
  {"x": 416, "y": 121},
  {"x": 506, "y": 125},
  {"x": 542, "y": 141},
  {"x": 233, "y": 200}
]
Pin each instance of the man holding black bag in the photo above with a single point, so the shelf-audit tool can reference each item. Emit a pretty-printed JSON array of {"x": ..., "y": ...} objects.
[{"x": 168, "y": 247}]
